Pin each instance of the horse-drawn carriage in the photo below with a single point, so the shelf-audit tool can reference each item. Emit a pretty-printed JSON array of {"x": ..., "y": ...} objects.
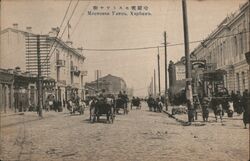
[
  {"x": 76, "y": 106},
  {"x": 135, "y": 102},
  {"x": 121, "y": 103},
  {"x": 100, "y": 107}
]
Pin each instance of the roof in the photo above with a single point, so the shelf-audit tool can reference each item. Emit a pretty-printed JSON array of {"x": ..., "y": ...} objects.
[
  {"x": 16, "y": 30},
  {"x": 73, "y": 50},
  {"x": 223, "y": 24},
  {"x": 108, "y": 75}
]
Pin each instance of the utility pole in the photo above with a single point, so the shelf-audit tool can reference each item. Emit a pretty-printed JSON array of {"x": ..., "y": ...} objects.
[
  {"x": 189, "y": 95},
  {"x": 69, "y": 26},
  {"x": 39, "y": 77},
  {"x": 151, "y": 85},
  {"x": 166, "y": 70},
  {"x": 154, "y": 83},
  {"x": 159, "y": 72},
  {"x": 97, "y": 80}
]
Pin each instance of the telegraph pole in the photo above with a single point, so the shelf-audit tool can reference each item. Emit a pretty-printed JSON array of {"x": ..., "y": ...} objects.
[
  {"x": 97, "y": 80},
  {"x": 159, "y": 72},
  {"x": 154, "y": 83},
  {"x": 166, "y": 70},
  {"x": 39, "y": 77},
  {"x": 189, "y": 95}
]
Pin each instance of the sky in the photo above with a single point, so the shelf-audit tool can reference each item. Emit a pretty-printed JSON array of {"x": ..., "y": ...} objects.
[{"x": 136, "y": 67}]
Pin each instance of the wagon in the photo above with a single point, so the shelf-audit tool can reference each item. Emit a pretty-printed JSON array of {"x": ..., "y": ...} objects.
[
  {"x": 121, "y": 104},
  {"x": 135, "y": 102},
  {"x": 100, "y": 108}
]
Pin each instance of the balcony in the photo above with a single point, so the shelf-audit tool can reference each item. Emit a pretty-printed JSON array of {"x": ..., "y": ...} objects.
[
  {"x": 60, "y": 63},
  {"x": 75, "y": 70}
]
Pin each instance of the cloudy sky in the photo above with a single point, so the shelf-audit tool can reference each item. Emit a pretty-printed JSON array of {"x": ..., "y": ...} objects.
[{"x": 122, "y": 32}]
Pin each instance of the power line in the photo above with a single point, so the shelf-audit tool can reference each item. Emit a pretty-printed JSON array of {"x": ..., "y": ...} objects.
[
  {"x": 168, "y": 45},
  {"x": 59, "y": 28},
  {"x": 80, "y": 18},
  {"x": 64, "y": 29}
]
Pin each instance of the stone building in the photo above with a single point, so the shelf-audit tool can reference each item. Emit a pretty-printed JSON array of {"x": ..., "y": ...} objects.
[
  {"x": 109, "y": 83},
  {"x": 61, "y": 63},
  {"x": 225, "y": 48}
]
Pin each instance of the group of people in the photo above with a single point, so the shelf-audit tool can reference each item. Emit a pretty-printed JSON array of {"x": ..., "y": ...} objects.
[
  {"x": 155, "y": 104},
  {"x": 52, "y": 104},
  {"x": 235, "y": 102},
  {"x": 241, "y": 104}
]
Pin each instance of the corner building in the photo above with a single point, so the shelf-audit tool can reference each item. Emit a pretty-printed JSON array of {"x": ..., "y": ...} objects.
[{"x": 225, "y": 48}]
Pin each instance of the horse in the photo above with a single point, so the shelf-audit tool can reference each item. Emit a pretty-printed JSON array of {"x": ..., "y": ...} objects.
[
  {"x": 160, "y": 106},
  {"x": 102, "y": 107},
  {"x": 74, "y": 106},
  {"x": 136, "y": 102}
]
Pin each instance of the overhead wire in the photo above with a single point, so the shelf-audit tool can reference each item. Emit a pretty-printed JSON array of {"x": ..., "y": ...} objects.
[
  {"x": 155, "y": 47},
  {"x": 64, "y": 29},
  {"x": 82, "y": 14},
  {"x": 67, "y": 10}
]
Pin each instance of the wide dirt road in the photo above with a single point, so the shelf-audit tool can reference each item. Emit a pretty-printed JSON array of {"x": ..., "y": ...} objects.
[{"x": 139, "y": 136}]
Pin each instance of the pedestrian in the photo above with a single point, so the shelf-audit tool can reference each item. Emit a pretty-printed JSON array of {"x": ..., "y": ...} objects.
[
  {"x": 246, "y": 108},
  {"x": 205, "y": 111},
  {"x": 238, "y": 103}
]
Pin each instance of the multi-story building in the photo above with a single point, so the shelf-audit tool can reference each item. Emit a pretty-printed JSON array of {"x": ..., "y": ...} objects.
[
  {"x": 60, "y": 61},
  {"x": 225, "y": 48},
  {"x": 109, "y": 84}
]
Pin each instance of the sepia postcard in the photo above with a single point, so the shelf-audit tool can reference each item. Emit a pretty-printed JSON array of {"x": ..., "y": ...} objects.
[{"x": 124, "y": 80}]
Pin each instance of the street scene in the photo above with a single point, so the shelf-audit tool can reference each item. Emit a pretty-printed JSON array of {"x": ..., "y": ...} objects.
[
  {"x": 125, "y": 80},
  {"x": 140, "y": 135}
]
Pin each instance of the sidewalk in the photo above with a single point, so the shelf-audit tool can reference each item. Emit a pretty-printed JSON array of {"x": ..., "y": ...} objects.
[{"x": 183, "y": 118}]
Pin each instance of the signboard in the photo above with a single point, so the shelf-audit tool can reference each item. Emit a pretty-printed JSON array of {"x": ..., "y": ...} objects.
[{"x": 180, "y": 72}]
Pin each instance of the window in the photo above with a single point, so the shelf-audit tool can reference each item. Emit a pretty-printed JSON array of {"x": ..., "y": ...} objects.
[
  {"x": 243, "y": 80},
  {"x": 241, "y": 44},
  {"x": 221, "y": 54},
  {"x": 235, "y": 45},
  {"x": 238, "y": 81},
  {"x": 225, "y": 81}
]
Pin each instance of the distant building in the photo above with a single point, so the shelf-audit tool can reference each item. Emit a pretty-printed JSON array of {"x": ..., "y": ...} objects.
[
  {"x": 109, "y": 83},
  {"x": 61, "y": 63},
  {"x": 224, "y": 49}
]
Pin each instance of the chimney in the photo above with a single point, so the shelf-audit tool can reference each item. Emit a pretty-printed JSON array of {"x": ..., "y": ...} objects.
[
  {"x": 29, "y": 29},
  {"x": 54, "y": 31},
  {"x": 17, "y": 70},
  {"x": 15, "y": 26}
]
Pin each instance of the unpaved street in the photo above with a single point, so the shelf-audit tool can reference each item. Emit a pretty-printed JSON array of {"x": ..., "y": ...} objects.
[{"x": 139, "y": 136}]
